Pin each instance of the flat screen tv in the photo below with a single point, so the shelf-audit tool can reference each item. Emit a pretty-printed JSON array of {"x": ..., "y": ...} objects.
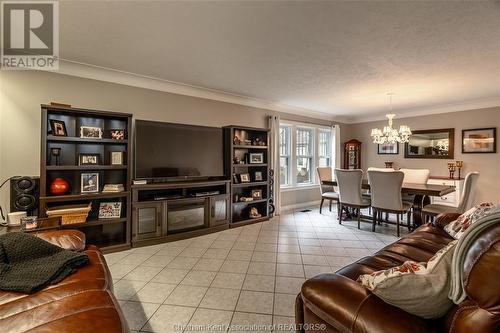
[{"x": 167, "y": 151}]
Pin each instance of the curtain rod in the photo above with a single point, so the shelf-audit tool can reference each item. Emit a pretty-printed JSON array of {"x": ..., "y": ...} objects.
[{"x": 330, "y": 123}]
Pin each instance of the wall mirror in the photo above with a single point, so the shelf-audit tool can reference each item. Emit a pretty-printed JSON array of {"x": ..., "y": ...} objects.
[{"x": 438, "y": 143}]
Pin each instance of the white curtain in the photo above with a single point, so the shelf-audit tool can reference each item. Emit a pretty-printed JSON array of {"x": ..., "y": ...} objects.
[
  {"x": 274, "y": 126},
  {"x": 337, "y": 146}
]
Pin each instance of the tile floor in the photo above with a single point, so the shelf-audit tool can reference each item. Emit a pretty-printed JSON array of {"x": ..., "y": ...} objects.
[{"x": 243, "y": 276}]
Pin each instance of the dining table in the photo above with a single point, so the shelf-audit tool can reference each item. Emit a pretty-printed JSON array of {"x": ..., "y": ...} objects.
[{"x": 421, "y": 195}]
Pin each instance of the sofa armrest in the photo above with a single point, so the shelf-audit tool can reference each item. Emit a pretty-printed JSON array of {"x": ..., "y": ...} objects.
[
  {"x": 444, "y": 219},
  {"x": 67, "y": 239},
  {"x": 349, "y": 307}
]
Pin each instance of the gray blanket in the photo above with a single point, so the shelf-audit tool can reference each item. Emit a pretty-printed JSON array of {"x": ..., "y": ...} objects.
[
  {"x": 28, "y": 263},
  {"x": 457, "y": 292}
]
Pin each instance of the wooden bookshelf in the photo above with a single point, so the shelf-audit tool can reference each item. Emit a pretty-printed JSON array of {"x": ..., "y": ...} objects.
[
  {"x": 252, "y": 141},
  {"x": 108, "y": 234}
]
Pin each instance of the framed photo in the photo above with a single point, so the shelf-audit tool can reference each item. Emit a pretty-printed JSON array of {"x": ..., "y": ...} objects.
[
  {"x": 58, "y": 127},
  {"x": 256, "y": 158},
  {"x": 117, "y": 157},
  {"x": 479, "y": 141},
  {"x": 235, "y": 179},
  {"x": 117, "y": 134},
  {"x": 88, "y": 159},
  {"x": 110, "y": 210},
  {"x": 90, "y": 132},
  {"x": 258, "y": 176},
  {"x": 257, "y": 194},
  {"x": 89, "y": 182},
  {"x": 245, "y": 178},
  {"x": 388, "y": 149}
]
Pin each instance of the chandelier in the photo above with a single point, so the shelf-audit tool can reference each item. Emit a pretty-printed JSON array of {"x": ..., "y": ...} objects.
[{"x": 389, "y": 134}]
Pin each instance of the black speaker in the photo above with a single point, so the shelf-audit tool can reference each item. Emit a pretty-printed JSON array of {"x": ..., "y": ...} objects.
[
  {"x": 24, "y": 194},
  {"x": 271, "y": 208}
]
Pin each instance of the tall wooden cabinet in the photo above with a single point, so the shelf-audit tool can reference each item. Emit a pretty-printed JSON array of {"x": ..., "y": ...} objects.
[{"x": 352, "y": 154}]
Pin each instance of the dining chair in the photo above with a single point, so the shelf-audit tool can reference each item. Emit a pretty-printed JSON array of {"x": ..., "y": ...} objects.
[
  {"x": 414, "y": 176},
  {"x": 327, "y": 191},
  {"x": 350, "y": 195},
  {"x": 466, "y": 199},
  {"x": 386, "y": 196}
]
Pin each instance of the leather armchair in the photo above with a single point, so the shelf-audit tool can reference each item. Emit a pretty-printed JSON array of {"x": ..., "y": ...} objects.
[
  {"x": 81, "y": 303},
  {"x": 341, "y": 304}
]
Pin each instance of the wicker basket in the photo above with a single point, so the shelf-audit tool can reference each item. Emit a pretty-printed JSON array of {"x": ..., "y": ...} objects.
[{"x": 71, "y": 214}]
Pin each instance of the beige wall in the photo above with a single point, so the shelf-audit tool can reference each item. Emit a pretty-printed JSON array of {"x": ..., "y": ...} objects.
[
  {"x": 486, "y": 164},
  {"x": 22, "y": 92}
]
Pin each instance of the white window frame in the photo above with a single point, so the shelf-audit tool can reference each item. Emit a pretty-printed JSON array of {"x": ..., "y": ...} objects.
[
  {"x": 293, "y": 185},
  {"x": 289, "y": 156}
]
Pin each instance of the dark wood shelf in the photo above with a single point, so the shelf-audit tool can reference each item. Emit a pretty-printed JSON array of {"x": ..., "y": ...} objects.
[
  {"x": 108, "y": 234},
  {"x": 251, "y": 165},
  {"x": 91, "y": 223},
  {"x": 248, "y": 221},
  {"x": 85, "y": 167},
  {"x": 249, "y": 202},
  {"x": 248, "y": 147},
  {"x": 75, "y": 139},
  {"x": 86, "y": 196},
  {"x": 250, "y": 184}
]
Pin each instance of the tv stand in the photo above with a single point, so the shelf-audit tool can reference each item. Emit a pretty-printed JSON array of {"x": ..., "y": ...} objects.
[{"x": 163, "y": 212}]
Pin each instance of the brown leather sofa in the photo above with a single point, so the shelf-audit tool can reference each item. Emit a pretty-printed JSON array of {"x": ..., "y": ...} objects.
[
  {"x": 82, "y": 302},
  {"x": 337, "y": 303}
]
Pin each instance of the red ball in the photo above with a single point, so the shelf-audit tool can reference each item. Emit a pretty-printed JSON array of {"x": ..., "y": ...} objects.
[{"x": 59, "y": 186}]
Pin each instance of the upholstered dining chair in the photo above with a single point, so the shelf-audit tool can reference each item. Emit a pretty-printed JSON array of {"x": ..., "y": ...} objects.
[
  {"x": 327, "y": 192},
  {"x": 350, "y": 195},
  {"x": 386, "y": 196},
  {"x": 414, "y": 176},
  {"x": 466, "y": 199}
]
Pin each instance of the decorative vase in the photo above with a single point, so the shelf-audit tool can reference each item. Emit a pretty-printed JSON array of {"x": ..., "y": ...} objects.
[{"x": 59, "y": 186}]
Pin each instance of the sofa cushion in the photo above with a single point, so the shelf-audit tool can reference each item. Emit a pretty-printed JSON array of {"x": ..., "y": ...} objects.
[
  {"x": 417, "y": 287},
  {"x": 458, "y": 227}
]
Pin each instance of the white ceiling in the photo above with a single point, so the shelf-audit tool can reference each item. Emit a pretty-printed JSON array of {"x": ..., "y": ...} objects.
[{"x": 338, "y": 58}]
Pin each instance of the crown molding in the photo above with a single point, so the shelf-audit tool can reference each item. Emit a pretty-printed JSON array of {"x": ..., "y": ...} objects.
[
  {"x": 426, "y": 111},
  {"x": 72, "y": 68}
]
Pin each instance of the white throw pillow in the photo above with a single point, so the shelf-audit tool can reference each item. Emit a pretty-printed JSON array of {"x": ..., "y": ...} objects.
[
  {"x": 458, "y": 227},
  {"x": 417, "y": 288}
]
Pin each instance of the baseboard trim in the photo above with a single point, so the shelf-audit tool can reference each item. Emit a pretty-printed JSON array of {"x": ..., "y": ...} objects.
[{"x": 300, "y": 205}]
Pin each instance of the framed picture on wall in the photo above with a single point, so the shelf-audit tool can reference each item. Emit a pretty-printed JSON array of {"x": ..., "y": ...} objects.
[
  {"x": 479, "y": 141},
  {"x": 388, "y": 149}
]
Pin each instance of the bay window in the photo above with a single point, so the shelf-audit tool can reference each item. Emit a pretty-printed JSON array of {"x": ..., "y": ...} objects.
[{"x": 302, "y": 148}]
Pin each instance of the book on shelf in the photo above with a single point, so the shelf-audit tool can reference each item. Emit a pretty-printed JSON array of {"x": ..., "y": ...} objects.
[{"x": 113, "y": 188}]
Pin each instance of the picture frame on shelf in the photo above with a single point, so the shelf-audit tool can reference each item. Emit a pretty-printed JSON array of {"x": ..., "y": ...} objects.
[
  {"x": 116, "y": 158},
  {"x": 88, "y": 159},
  {"x": 388, "y": 149},
  {"x": 245, "y": 178},
  {"x": 479, "y": 141},
  {"x": 89, "y": 132},
  {"x": 235, "y": 179},
  {"x": 110, "y": 210},
  {"x": 256, "y": 158},
  {"x": 58, "y": 127},
  {"x": 89, "y": 182},
  {"x": 117, "y": 134},
  {"x": 257, "y": 194},
  {"x": 55, "y": 156},
  {"x": 258, "y": 176}
]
